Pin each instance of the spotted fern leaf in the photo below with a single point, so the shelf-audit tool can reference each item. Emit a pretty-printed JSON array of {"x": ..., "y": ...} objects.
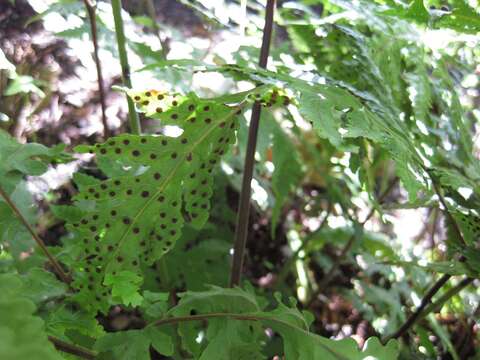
[{"x": 132, "y": 219}]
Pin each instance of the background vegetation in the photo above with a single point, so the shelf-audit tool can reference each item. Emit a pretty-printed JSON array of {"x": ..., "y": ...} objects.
[{"x": 363, "y": 222}]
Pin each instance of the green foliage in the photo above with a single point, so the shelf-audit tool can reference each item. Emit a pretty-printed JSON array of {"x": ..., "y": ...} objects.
[
  {"x": 22, "y": 334},
  {"x": 363, "y": 99}
]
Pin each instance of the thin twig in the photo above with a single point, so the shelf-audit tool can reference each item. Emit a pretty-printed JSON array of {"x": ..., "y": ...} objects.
[
  {"x": 91, "y": 7},
  {"x": 58, "y": 268},
  {"x": 151, "y": 13},
  {"x": 244, "y": 206},
  {"x": 412, "y": 319},
  {"x": 122, "y": 53},
  {"x": 437, "y": 305},
  {"x": 68, "y": 348}
]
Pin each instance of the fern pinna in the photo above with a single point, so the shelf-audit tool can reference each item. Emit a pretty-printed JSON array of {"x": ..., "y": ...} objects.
[{"x": 133, "y": 218}]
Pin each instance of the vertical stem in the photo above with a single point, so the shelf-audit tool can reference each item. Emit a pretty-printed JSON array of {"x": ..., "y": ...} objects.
[
  {"x": 244, "y": 206},
  {"x": 151, "y": 14},
  {"x": 91, "y": 6},
  {"x": 58, "y": 269},
  {"x": 122, "y": 52}
]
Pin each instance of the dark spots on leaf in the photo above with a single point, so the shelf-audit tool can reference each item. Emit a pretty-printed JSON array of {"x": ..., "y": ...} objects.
[
  {"x": 143, "y": 140},
  {"x": 95, "y": 217},
  {"x": 153, "y": 156},
  {"x": 118, "y": 151},
  {"x": 146, "y": 102},
  {"x": 93, "y": 228},
  {"x": 160, "y": 97},
  {"x": 107, "y": 225},
  {"x": 174, "y": 103},
  {"x": 204, "y": 182},
  {"x": 174, "y": 204},
  {"x": 84, "y": 221},
  {"x": 157, "y": 176},
  {"x": 159, "y": 237},
  {"x": 145, "y": 193},
  {"x": 103, "y": 186},
  {"x": 220, "y": 140},
  {"x": 174, "y": 155},
  {"x": 194, "y": 215},
  {"x": 191, "y": 107},
  {"x": 110, "y": 247},
  {"x": 137, "y": 98},
  {"x": 208, "y": 120},
  {"x": 85, "y": 241},
  {"x": 161, "y": 198},
  {"x": 136, "y": 153},
  {"x": 163, "y": 226},
  {"x": 162, "y": 214},
  {"x": 204, "y": 195},
  {"x": 192, "y": 175},
  {"x": 97, "y": 196},
  {"x": 126, "y": 220},
  {"x": 142, "y": 243},
  {"x": 189, "y": 157},
  {"x": 129, "y": 192},
  {"x": 117, "y": 182},
  {"x": 164, "y": 142},
  {"x": 222, "y": 124},
  {"x": 137, "y": 180},
  {"x": 174, "y": 116},
  {"x": 194, "y": 204},
  {"x": 159, "y": 110},
  {"x": 213, "y": 161},
  {"x": 184, "y": 141},
  {"x": 136, "y": 230},
  {"x": 91, "y": 190},
  {"x": 172, "y": 232},
  {"x": 202, "y": 166},
  {"x": 134, "y": 262},
  {"x": 90, "y": 287},
  {"x": 112, "y": 193},
  {"x": 103, "y": 151},
  {"x": 206, "y": 108},
  {"x": 204, "y": 206},
  {"x": 119, "y": 258},
  {"x": 148, "y": 94},
  {"x": 174, "y": 220},
  {"x": 193, "y": 119},
  {"x": 126, "y": 142},
  {"x": 193, "y": 192},
  {"x": 232, "y": 125}
]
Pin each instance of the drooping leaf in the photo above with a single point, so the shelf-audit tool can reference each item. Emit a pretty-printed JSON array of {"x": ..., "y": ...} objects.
[{"x": 135, "y": 217}]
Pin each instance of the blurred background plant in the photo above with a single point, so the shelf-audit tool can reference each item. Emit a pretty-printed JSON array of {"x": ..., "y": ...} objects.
[{"x": 346, "y": 215}]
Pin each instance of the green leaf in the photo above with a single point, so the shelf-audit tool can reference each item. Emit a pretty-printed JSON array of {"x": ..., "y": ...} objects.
[
  {"x": 62, "y": 320},
  {"x": 22, "y": 335},
  {"x": 125, "y": 286},
  {"x": 136, "y": 217},
  {"x": 135, "y": 344}
]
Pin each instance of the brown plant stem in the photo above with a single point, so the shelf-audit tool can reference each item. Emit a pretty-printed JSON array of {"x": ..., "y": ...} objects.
[
  {"x": 245, "y": 194},
  {"x": 447, "y": 295},
  {"x": 151, "y": 14},
  {"x": 68, "y": 348},
  {"x": 58, "y": 268},
  {"x": 427, "y": 298},
  {"x": 91, "y": 7}
]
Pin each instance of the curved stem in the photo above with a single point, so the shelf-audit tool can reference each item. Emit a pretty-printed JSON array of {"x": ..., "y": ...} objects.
[
  {"x": 122, "y": 53},
  {"x": 437, "y": 305},
  {"x": 56, "y": 265},
  {"x": 68, "y": 348},
  {"x": 415, "y": 316},
  {"x": 244, "y": 206},
  {"x": 91, "y": 6}
]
